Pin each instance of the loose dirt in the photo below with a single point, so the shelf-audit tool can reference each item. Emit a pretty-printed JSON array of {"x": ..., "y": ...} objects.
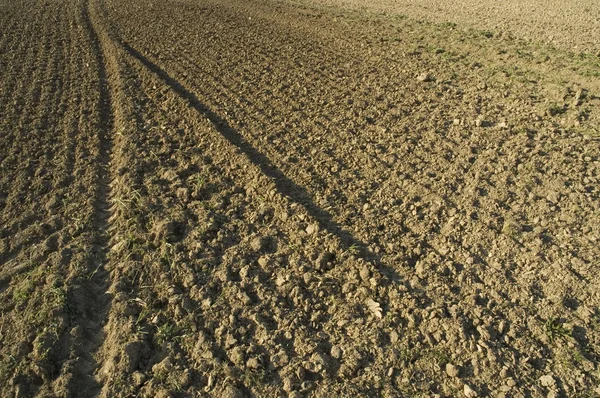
[
  {"x": 297, "y": 198},
  {"x": 564, "y": 24}
]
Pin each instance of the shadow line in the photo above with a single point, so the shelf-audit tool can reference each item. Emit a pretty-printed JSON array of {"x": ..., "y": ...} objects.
[{"x": 283, "y": 183}]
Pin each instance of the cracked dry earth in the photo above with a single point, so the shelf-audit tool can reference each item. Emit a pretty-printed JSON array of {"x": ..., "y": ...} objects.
[{"x": 294, "y": 198}]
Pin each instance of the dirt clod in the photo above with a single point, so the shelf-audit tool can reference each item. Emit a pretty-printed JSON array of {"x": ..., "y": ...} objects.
[
  {"x": 451, "y": 370},
  {"x": 469, "y": 392}
]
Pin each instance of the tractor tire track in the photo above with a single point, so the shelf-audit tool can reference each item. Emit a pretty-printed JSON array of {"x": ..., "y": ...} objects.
[{"x": 90, "y": 293}]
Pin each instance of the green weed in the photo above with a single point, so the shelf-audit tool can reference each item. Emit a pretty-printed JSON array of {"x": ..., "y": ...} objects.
[
  {"x": 554, "y": 329},
  {"x": 167, "y": 333}
]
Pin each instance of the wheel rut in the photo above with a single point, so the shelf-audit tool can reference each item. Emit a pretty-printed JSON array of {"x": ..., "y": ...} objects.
[{"x": 91, "y": 295}]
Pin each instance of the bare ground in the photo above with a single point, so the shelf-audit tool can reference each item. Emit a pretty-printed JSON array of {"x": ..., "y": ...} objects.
[
  {"x": 572, "y": 26},
  {"x": 208, "y": 198}
]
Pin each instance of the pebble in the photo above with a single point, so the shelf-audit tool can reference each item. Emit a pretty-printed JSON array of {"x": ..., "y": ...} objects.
[
  {"x": 253, "y": 363},
  {"x": 394, "y": 337},
  {"x": 263, "y": 261},
  {"x": 257, "y": 243},
  {"x": 451, "y": 370},
  {"x": 244, "y": 272},
  {"x": 312, "y": 228},
  {"x": 424, "y": 77},
  {"x": 280, "y": 281},
  {"x": 548, "y": 381},
  {"x": 469, "y": 392},
  {"x": 139, "y": 378},
  {"x": 365, "y": 274},
  {"x": 336, "y": 352}
]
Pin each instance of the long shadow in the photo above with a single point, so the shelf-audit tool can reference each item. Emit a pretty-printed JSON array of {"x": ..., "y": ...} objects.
[{"x": 283, "y": 183}]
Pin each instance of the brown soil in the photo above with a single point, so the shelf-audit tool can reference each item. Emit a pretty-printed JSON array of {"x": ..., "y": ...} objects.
[
  {"x": 572, "y": 26},
  {"x": 284, "y": 198}
]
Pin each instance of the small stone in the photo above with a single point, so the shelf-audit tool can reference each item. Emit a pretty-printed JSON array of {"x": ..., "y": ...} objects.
[
  {"x": 283, "y": 216},
  {"x": 138, "y": 378},
  {"x": 394, "y": 337},
  {"x": 424, "y": 77},
  {"x": 312, "y": 229},
  {"x": 548, "y": 381},
  {"x": 365, "y": 273},
  {"x": 280, "y": 281},
  {"x": 244, "y": 272},
  {"x": 288, "y": 384},
  {"x": 390, "y": 372},
  {"x": 469, "y": 392},
  {"x": 451, "y": 370},
  {"x": 263, "y": 261},
  {"x": 504, "y": 388},
  {"x": 456, "y": 122},
  {"x": 336, "y": 352},
  {"x": 307, "y": 277},
  {"x": 230, "y": 339},
  {"x": 257, "y": 244},
  {"x": 245, "y": 298},
  {"x": 253, "y": 363},
  {"x": 173, "y": 290}
]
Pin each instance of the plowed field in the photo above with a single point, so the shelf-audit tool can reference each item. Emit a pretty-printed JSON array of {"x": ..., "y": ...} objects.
[{"x": 298, "y": 198}]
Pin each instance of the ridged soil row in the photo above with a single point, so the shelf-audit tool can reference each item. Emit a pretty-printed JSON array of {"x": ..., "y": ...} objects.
[
  {"x": 438, "y": 198},
  {"x": 435, "y": 141},
  {"x": 170, "y": 247},
  {"x": 263, "y": 115},
  {"x": 50, "y": 242},
  {"x": 116, "y": 196}
]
